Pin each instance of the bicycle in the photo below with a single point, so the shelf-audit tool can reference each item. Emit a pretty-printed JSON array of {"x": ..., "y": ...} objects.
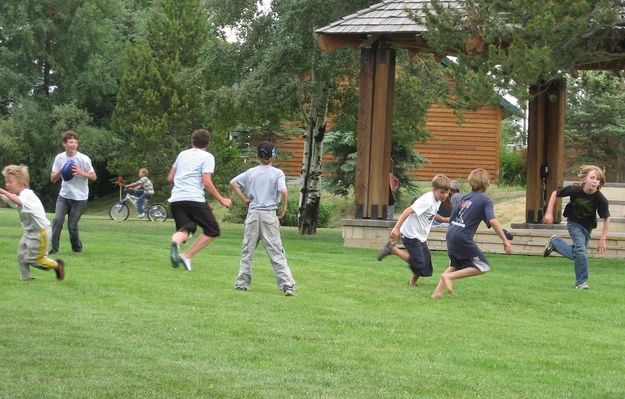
[{"x": 119, "y": 211}]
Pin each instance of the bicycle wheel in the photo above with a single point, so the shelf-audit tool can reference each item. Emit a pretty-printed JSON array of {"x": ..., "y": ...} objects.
[
  {"x": 157, "y": 213},
  {"x": 119, "y": 212}
]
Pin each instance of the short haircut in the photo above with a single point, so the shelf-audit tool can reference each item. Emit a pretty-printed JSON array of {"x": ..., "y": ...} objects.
[
  {"x": 145, "y": 171},
  {"x": 266, "y": 151},
  {"x": 479, "y": 179},
  {"x": 70, "y": 134},
  {"x": 441, "y": 182},
  {"x": 585, "y": 169},
  {"x": 454, "y": 186},
  {"x": 19, "y": 172},
  {"x": 201, "y": 138}
]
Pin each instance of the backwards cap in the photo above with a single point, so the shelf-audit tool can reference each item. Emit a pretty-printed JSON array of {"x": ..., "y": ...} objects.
[{"x": 266, "y": 150}]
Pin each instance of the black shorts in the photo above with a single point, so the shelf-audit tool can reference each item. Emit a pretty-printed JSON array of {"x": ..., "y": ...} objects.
[
  {"x": 478, "y": 262},
  {"x": 419, "y": 257},
  {"x": 188, "y": 215}
]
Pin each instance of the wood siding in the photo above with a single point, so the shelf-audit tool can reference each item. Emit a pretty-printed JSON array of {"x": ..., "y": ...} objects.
[{"x": 454, "y": 150}]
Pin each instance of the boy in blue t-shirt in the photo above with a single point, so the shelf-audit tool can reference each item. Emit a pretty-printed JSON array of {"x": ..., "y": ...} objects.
[
  {"x": 466, "y": 259},
  {"x": 265, "y": 186}
]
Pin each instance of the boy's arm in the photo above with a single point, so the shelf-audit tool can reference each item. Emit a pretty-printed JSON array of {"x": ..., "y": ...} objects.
[
  {"x": 237, "y": 190},
  {"x": 507, "y": 245},
  {"x": 10, "y": 197},
  {"x": 548, "y": 217},
  {"x": 441, "y": 219},
  {"x": 604, "y": 233},
  {"x": 210, "y": 187},
  {"x": 171, "y": 175},
  {"x": 283, "y": 205},
  {"x": 394, "y": 235}
]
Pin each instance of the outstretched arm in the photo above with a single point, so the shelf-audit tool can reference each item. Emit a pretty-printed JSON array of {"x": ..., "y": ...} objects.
[
  {"x": 548, "y": 217},
  {"x": 604, "y": 234},
  {"x": 210, "y": 187},
  {"x": 507, "y": 245},
  {"x": 394, "y": 235},
  {"x": 11, "y": 199}
]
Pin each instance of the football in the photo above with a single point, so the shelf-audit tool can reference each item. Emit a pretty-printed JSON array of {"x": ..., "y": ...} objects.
[{"x": 68, "y": 174}]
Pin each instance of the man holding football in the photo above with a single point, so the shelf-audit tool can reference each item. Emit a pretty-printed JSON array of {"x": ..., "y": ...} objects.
[{"x": 75, "y": 170}]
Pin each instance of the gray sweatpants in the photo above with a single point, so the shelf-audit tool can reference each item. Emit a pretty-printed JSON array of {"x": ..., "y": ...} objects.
[
  {"x": 265, "y": 226},
  {"x": 32, "y": 251}
]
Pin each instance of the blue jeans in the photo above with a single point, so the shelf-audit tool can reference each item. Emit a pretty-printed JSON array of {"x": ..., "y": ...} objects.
[
  {"x": 142, "y": 197},
  {"x": 73, "y": 209},
  {"x": 577, "y": 252}
]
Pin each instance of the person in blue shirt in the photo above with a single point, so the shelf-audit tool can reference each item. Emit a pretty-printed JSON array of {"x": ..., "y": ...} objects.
[{"x": 466, "y": 259}]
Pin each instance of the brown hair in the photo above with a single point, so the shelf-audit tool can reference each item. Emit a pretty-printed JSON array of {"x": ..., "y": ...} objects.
[
  {"x": 70, "y": 134},
  {"x": 145, "y": 171},
  {"x": 479, "y": 179},
  {"x": 441, "y": 182},
  {"x": 201, "y": 138}
]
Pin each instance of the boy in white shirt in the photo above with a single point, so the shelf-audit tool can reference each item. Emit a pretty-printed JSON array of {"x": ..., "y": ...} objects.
[
  {"x": 34, "y": 243},
  {"x": 413, "y": 227}
]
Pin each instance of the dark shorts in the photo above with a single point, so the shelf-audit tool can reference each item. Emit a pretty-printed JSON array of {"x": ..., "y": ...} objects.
[
  {"x": 188, "y": 215},
  {"x": 478, "y": 262},
  {"x": 419, "y": 258}
]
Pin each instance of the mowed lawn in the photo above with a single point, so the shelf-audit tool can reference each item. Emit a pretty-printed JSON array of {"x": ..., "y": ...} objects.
[{"x": 125, "y": 324}]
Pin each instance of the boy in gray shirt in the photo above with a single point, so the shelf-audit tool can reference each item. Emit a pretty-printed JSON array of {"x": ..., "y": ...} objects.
[{"x": 265, "y": 186}]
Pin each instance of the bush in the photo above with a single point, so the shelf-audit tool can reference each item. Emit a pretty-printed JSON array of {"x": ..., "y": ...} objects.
[{"x": 512, "y": 168}]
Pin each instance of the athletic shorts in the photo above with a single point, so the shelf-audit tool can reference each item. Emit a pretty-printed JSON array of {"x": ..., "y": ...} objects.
[
  {"x": 479, "y": 262},
  {"x": 419, "y": 258},
  {"x": 188, "y": 215}
]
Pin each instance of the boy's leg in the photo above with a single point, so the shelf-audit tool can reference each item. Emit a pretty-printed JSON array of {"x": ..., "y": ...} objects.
[
  {"x": 60, "y": 210},
  {"x": 449, "y": 276},
  {"x": 248, "y": 248},
  {"x": 440, "y": 288},
  {"x": 560, "y": 246},
  {"x": 269, "y": 230},
  {"x": 580, "y": 236},
  {"x": 140, "y": 200},
  {"x": 76, "y": 210}
]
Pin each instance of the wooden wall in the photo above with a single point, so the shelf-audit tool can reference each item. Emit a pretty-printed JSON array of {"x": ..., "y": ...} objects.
[{"x": 454, "y": 150}]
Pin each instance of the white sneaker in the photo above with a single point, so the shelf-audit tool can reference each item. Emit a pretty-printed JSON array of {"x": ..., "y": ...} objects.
[
  {"x": 582, "y": 286},
  {"x": 141, "y": 216},
  {"x": 185, "y": 262}
]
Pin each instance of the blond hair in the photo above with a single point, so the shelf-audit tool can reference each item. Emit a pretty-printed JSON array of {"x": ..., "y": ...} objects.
[
  {"x": 585, "y": 169},
  {"x": 145, "y": 171},
  {"x": 479, "y": 179},
  {"x": 19, "y": 172},
  {"x": 441, "y": 182}
]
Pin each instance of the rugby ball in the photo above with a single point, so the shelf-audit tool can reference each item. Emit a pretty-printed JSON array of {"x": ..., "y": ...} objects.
[{"x": 67, "y": 173}]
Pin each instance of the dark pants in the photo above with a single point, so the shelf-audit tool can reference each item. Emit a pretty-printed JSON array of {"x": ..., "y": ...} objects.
[
  {"x": 419, "y": 258},
  {"x": 73, "y": 209}
]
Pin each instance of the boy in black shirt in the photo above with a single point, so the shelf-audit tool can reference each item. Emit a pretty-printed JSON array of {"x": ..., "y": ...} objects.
[{"x": 581, "y": 212}]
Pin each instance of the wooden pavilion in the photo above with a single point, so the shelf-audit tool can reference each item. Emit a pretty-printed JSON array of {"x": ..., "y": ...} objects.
[{"x": 380, "y": 29}]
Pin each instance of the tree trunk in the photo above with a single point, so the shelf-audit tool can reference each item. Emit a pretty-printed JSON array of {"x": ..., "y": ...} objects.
[{"x": 311, "y": 165}]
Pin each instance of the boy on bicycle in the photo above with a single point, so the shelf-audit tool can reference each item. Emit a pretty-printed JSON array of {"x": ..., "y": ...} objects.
[{"x": 144, "y": 189}]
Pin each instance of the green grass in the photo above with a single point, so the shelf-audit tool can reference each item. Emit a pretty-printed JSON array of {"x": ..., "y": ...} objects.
[{"x": 124, "y": 324}]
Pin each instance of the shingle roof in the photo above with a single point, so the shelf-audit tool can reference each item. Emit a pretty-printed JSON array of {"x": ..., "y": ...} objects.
[{"x": 389, "y": 16}]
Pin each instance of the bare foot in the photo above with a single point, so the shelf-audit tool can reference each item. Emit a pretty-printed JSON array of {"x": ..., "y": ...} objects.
[
  {"x": 413, "y": 281},
  {"x": 448, "y": 284},
  {"x": 437, "y": 296}
]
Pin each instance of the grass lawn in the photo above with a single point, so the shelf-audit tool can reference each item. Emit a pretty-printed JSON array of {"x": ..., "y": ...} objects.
[{"x": 124, "y": 324}]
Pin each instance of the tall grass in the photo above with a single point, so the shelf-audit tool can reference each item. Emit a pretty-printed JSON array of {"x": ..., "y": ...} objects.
[{"x": 124, "y": 324}]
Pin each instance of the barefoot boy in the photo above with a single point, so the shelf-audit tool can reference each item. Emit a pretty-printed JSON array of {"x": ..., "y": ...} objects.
[
  {"x": 465, "y": 257},
  {"x": 35, "y": 242},
  {"x": 413, "y": 226}
]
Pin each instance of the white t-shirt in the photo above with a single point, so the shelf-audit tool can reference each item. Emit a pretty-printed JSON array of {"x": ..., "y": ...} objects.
[
  {"x": 77, "y": 188},
  {"x": 419, "y": 223},
  {"x": 190, "y": 165},
  {"x": 263, "y": 185},
  {"x": 32, "y": 215}
]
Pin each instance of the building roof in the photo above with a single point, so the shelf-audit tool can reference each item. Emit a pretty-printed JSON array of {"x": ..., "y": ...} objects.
[{"x": 389, "y": 16}]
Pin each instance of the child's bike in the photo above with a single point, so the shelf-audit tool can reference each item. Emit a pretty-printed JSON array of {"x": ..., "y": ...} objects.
[{"x": 119, "y": 211}]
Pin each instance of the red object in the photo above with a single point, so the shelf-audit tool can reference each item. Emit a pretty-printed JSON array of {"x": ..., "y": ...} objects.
[{"x": 120, "y": 181}]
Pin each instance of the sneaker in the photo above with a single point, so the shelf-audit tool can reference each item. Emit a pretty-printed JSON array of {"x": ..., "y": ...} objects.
[
  {"x": 243, "y": 289},
  {"x": 52, "y": 251},
  {"x": 289, "y": 292},
  {"x": 549, "y": 247},
  {"x": 386, "y": 250},
  {"x": 141, "y": 216},
  {"x": 582, "y": 286},
  {"x": 60, "y": 270},
  {"x": 173, "y": 254},
  {"x": 185, "y": 262}
]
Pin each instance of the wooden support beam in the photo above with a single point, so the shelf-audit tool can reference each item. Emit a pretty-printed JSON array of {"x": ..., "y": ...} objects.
[
  {"x": 363, "y": 137},
  {"x": 545, "y": 148}
]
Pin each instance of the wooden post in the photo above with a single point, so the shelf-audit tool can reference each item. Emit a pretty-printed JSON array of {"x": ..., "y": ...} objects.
[
  {"x": 545, "y": 149},
  {"x": 375, "y": 113}
]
